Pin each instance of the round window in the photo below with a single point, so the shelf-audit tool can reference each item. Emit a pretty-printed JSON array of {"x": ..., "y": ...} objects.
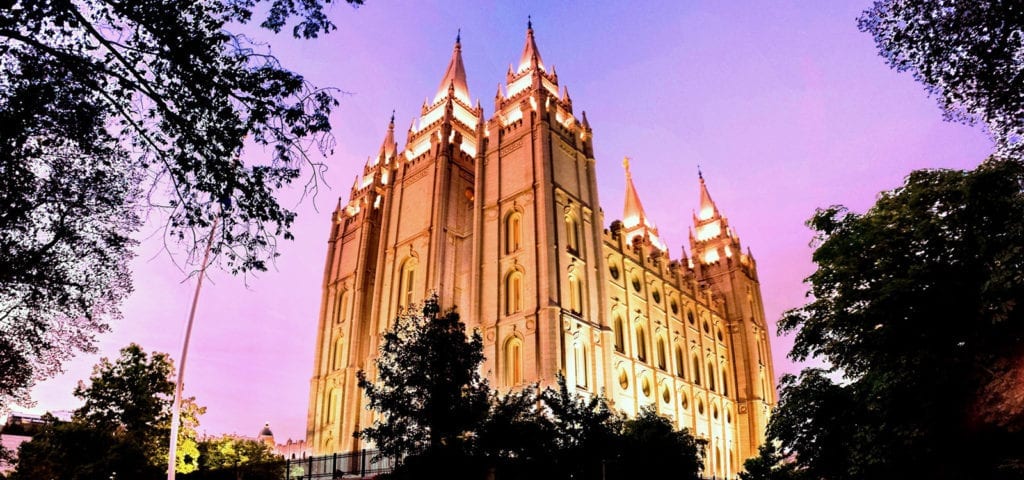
[
  {"x": 645, "y": 386},
  {"x": 614, "y": 270},
  {"x": 657, "y": 296},
  {"x": 675, "y": 306},
  {"x": 636, "y": 283},
  {"x": 728, "y": 417},
  {"x": 666, "y": 396},
  {"x": 721, "y": 338},
  {"x": 714, "y": 412},
  {"x": 689, "y": 317},
  {"x": 707, "y": 328},
  {"x": 623, "y": 379},
  {"x": 700, "y": 407},
  {"x": 684, "y": 401}
]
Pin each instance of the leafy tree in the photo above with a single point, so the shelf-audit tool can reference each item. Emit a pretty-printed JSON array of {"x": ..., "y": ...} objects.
[
  {"x": 112, "y": 108},
  {"x": 769, "y": 464},
  {"x": 516, "y": 435},
  {"x": 966, "y": 52},
  {"x": 651, "y": 446},
  {"x": 121, "y": 429},
  {"x": 428, "y": 390},
  {"x": 916, "y": 304},
  {"x": 588, "y": 431},
  {"x": 241, "y": 457}
]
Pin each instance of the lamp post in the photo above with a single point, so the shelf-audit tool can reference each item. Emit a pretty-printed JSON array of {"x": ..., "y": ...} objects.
[{"x": 176, "y": 407}]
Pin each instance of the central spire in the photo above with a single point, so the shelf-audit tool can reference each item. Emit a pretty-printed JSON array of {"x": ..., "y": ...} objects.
[
  {"x": 708, "y": 209},
  {"x": 455, "y": 76},
  {"x": 530, "y": 56},
  {"x": 635, "y": 222}
]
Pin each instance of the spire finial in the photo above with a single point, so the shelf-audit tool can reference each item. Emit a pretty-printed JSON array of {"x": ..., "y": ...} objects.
[
  {"x": 700, "y": 175},
  {"x": 392, "y": 117},
  {"x": 625, "y": 164},
  {"x": 529, "y": 22},
  {"x": 458, "y": 36}
]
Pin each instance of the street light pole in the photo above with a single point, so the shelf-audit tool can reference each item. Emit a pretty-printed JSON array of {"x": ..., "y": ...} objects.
[{"x": 176, "y": 407}]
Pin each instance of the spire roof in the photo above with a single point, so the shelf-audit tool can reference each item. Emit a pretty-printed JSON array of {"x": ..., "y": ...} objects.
[
  {"x": 634, "y": 219},
  {"x": 389, "y": 148},
  {"x": 708, "y": 209},
  {"x": 455, "y": 76},
  {"x": 530, "y": 51}
]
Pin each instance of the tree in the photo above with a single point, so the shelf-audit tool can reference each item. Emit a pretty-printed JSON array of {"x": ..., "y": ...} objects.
[
  {"x": 517, "y": 437},
  {"x": 588, "y": 431},
  {"x": 651, "y": 446},
  {"x": 915, "y": 304},
  {"x": 769, "y": 464},
  {"x": 111, "y": 109},
  {"x": 965, "y": 52},
  {"x": 244, "y": 458},
  {"x": 428, "y": 391},
  {"x": 121, "y": 429}
]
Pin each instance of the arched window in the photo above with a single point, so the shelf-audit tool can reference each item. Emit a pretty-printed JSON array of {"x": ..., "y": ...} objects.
[
  {"x": 581, "y": 365},
  {"x": 620, "y": 335},
  {"x": 680, "y": 360},
  {"x": 513, "y": 232},
  {"x": 641, "y": 343},
  {"x": 575, "y": 295},
  {"x": 696, "y": 370},
  {"x": 725, "y": 383},
  {"x": 514, "y": 293},
  {"x": 342, "y": 307},
  {"x": 407, "y": 284},
  {"x": 711, "y": 377},
  {"x": 334, "y": 406},
  {"x": 513, "y": 361},
  {"x": 339, "y": 352},
  {"x": 572, "y": 231},
  {"x": 662, "y": 355}
]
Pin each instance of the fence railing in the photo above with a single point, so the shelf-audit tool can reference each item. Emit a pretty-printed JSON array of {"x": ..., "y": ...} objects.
[{"x": 359, "y": 463}]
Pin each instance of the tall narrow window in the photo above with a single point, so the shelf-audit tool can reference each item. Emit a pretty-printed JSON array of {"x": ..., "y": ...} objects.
[
  {"x": 334, "y": 406},
  {"x": 725, "y": 383},
  {"x": 406, "y": 289},
  {"x": 572, "y": 231},
  {"x": 641, "y": 343},
  {"x": 662, "y": 356},
  {"x": 696, "y": 370},
  {"x": 711, "y": 377},
  {"x": 339, "y": 352},
  {"x": 342, "y": 307},
  {"x": 513, "y": 361},
  {"x": 513, "y": 232},
  {"x": 513, "y": 293},
  {"x": 581, "y": 365},
  {"x": 620, "y": 335},
  {"x": 680, "y": 359},
  {"x": 575, "y": 295}
]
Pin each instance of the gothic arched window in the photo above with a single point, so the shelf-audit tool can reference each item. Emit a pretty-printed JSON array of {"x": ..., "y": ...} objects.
[
  {"x": 641, "y": 343},
  {"x": 514, "y": 293},
  {"x": 711, "y": 377},
  {"x": 662, "y": 355},
  {"x": 339, "y": 352},
  {"x": 572, "y": 231},
  {"x": 725, "y": 383},
  {"x": 581, "y": 365},
  {"x": 407, "y": 284},
  {"x": 696, "y": 370},
  {"x": 513, "y": 361},
  {"x": 680, "y": 360},
  {"x": 513, "y": 232},
  {"x": 620, "y": 335},
  {"x": 575, "y": 295},
  {"x": 342, "y": 307}
]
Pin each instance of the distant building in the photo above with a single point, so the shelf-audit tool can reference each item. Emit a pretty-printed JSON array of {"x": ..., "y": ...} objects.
[
  {"x": 20, "y": 427},
  {"x": 290, "y": 449},
  {"x": 500, "y": 217}
]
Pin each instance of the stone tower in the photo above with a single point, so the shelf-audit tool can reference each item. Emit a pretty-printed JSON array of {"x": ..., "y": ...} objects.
[{"x": 500, "y": 216}]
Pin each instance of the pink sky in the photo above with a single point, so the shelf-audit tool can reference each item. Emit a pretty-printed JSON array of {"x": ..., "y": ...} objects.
[{"x": 784, "y": 105}]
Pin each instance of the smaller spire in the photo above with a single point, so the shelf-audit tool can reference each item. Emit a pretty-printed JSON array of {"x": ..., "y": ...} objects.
[
  {"x": 708, "y": 209},
  {"x": 531, "y": 55},
  {"x": 635, "y": 222},
  {"x": 454, "y": 80}
]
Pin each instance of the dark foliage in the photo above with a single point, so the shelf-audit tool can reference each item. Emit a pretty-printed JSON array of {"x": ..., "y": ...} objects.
[
  {"x": 916, "y": 304},
  {"x": 966, "y": 52},
  {"x": 109, "y": 109}
]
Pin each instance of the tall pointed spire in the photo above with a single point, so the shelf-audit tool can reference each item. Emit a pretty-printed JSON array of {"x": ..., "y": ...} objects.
[
  {"x": 635, "y": 222},
  {"x": 708, "y": 209},
  {"x": 389, "y": 148},
  {"x": 531, "y": 55},
  {"x": 455, "y": 76}
]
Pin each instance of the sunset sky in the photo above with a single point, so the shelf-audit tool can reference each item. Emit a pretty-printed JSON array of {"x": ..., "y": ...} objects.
[{"x": 785, "y": 106}]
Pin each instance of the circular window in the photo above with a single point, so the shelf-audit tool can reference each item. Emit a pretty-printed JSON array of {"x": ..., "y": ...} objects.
[
  {"x": 684, "y": 401},
  {"x": 689, "y": 317},
  {"x": 657, "y": 296},
  {"x": 636, "y": 283},
  {"x": 645, "y": 386},
  {"x": 721, "y": 338},
  {"x": 714, "y": 412},
  {"x": 728, "y": 417},
  {"x": 675, "y": 306},
  {"x": 623, "y": 379},
  {"x": 707, "y": 328},
  {"x": 666, "y": 396},
  {"x": 700, "y": 407},
  {"x": 614, "y": 270}
]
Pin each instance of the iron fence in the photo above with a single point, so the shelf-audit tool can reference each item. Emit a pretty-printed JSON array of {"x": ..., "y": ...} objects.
[{"x": 359, "y": 463}]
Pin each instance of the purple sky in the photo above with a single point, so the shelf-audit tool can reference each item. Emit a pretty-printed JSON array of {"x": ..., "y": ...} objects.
[{"x": 785, "y": 106}]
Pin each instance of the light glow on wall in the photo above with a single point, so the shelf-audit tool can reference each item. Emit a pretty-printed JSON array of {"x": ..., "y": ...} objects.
[
  {"x": 709, "y": 231},
  {"x": 513, "y": 116},
  {"x": 519, "y": 85},
  {"x": 711, "y": 256}
]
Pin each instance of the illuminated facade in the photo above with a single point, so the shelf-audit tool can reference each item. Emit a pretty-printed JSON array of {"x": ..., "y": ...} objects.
[{"x": 499, "y": 216}]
